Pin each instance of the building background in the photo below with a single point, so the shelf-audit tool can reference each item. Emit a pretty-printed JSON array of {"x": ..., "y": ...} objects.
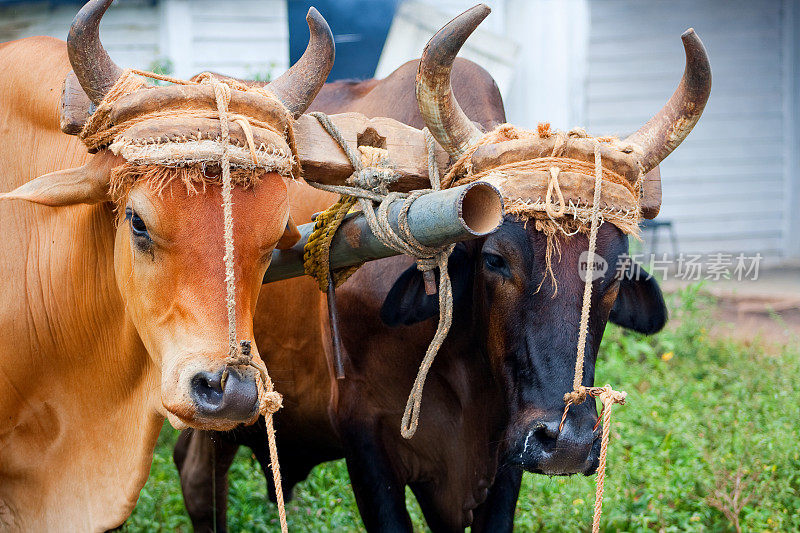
[{"x": 733, "y": 186}]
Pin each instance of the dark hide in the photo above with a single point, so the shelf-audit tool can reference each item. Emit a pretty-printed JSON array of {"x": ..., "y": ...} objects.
[{"x": 407, "y": 303}]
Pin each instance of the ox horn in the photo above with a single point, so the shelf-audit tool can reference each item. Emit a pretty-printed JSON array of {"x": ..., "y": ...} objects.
[
  {"x": 298, "y": 86},
  {"x": 437, "y": 104},
  {"x": 94, "y": 69},
  {"x": 670, "y": 126}
]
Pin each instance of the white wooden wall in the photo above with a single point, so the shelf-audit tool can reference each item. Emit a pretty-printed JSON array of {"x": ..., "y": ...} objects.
[
  {"x": 242, "y": 38},
  {"x": 417, "y": 21},
  {"x": 534, "y": 49},
  {"x": 130, "y": 28},
  {"x": 550, "y": 69},
  {"x": 725, "y": 187}
]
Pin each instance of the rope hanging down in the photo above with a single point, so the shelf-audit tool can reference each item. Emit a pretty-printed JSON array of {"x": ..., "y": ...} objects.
[
  {"x": 608, "y": 396},
  {"x": 368, "y": 185},
  {"x": 536, "y": 188},
  {"x": 269, "y": 400}
]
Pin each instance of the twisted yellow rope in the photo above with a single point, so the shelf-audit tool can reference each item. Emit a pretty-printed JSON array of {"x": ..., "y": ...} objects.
[{"x": 607, "y": 398}]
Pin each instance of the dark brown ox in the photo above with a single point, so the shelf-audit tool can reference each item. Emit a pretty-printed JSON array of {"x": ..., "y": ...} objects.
[
  {"x": 494, "y": 397},
  {"x": 113, "y": 316}
]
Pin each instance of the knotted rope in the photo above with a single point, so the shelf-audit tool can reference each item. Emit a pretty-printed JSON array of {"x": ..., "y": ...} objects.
[
  {"x": 367, "y": 185},
  {"x": 177, "y": 155},
  {"x": 554, "y": 214},
  {"x": 608, "y": 396},
  {"x": 241, "y": 355}
]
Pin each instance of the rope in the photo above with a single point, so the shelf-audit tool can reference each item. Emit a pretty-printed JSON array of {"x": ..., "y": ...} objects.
[
  {"x": 551, "y": 186},
  {"x": 99, "y": 132},
  {"x": 316, "y": 253},
  {"x": 550, "y": 218},
  {"x": 608, "y": 396},
  {"x": 241, "y": 354},
  {"x": 369, "y": 184}
]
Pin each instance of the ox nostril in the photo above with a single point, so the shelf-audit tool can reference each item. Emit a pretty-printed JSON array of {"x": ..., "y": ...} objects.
[
  {"x": 547, "y": 436},
  {"x": 544, "y": 449},
  {"x": 207, "y": 388},
  {"x": 235, "y": 399}
]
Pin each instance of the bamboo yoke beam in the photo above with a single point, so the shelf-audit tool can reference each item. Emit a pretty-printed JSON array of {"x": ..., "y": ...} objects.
[{"x": 436, "y": 219}]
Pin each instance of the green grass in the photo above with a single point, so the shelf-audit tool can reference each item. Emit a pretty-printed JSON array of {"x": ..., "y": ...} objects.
[{"x": 703, "y": 417}]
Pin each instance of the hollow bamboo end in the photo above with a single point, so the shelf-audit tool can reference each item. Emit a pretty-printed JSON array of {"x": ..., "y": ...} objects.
[{"x": 481, "y": 208}]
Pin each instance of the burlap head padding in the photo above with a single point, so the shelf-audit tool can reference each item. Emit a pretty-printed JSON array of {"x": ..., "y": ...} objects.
[
  {"x": 161, "y": 129},
  {"x": 159, "y": 141},
  {"x": 525, "y": 164}
]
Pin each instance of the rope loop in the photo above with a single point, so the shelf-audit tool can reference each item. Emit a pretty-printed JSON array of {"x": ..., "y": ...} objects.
[
  {"x": 557, "y": 215},
  {"x": 552, "y": 185},
  {"x": 579, "y": 394},
  {"x": 373, "y": 179},
  {"x": 99, "y": 133}
]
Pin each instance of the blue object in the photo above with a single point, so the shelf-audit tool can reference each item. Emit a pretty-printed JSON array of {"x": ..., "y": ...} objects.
[{"x": 359, "y": 29}]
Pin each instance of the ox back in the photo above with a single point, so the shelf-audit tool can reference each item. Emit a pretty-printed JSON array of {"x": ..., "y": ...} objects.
[{"x": 451, "y": 463}]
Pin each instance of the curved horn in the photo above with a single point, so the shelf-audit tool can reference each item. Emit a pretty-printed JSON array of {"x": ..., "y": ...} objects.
[
  {"x": 93, "y": 67},
  {"x": 440, "y": 110},
  {"x": 667, "y": 129},
  {"x": 298, "y": 86}
]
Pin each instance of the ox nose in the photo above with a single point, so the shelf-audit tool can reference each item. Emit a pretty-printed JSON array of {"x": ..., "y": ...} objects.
[
  {"x": 234, "y": 399},
  {"x": 546, "y": 450}
]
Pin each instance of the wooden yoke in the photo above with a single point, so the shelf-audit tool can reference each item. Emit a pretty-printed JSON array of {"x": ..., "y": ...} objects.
[
  {"x": 323, "y": 161},
  {"x": 321, "y": 158}
]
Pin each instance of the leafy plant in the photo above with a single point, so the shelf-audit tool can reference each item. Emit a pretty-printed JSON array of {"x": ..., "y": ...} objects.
[{"x": 161, "y": 65}]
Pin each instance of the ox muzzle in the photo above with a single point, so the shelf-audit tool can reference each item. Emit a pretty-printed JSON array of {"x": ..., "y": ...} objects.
[{"x": 537, "y": 445}]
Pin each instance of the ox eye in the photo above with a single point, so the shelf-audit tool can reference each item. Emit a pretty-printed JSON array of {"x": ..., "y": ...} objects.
[
  {"x": 138, "y": 228},
  {"x": 495, "y": 263}
]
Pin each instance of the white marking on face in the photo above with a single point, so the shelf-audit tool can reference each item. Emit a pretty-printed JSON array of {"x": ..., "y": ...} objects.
[{"x": 527, "y": 438}]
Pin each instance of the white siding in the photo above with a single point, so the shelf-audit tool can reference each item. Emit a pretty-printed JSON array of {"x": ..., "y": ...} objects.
[
  {"x": 417, "y": 21},
  {"x": 130, "y": 28},
  {"x": 791, "y": 66},
  {"x": 551, "y": 66},
  {"x": 724, "y": 187},
  {"x": 242, "y": 38}
]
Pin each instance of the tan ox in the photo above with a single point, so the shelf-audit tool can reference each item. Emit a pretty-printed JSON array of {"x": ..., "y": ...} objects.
[{"x": 114, "y": 316}]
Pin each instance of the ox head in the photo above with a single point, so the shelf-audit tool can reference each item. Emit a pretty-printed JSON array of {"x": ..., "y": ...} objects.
[
  {"x": 168, "y": 248},
  {"x": 528, "y": 333}
]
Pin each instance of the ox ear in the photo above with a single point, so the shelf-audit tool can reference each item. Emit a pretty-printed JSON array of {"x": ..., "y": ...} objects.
[
  {"x": 407, "y": 303},
  {"x": 290, "y": 236},
  {"x": 640, "y": 305},
  {"x": 82, "y": 185}
]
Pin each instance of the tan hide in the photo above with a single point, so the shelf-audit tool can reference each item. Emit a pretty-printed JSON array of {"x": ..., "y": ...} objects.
[{"x": 79, "y": 397}]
